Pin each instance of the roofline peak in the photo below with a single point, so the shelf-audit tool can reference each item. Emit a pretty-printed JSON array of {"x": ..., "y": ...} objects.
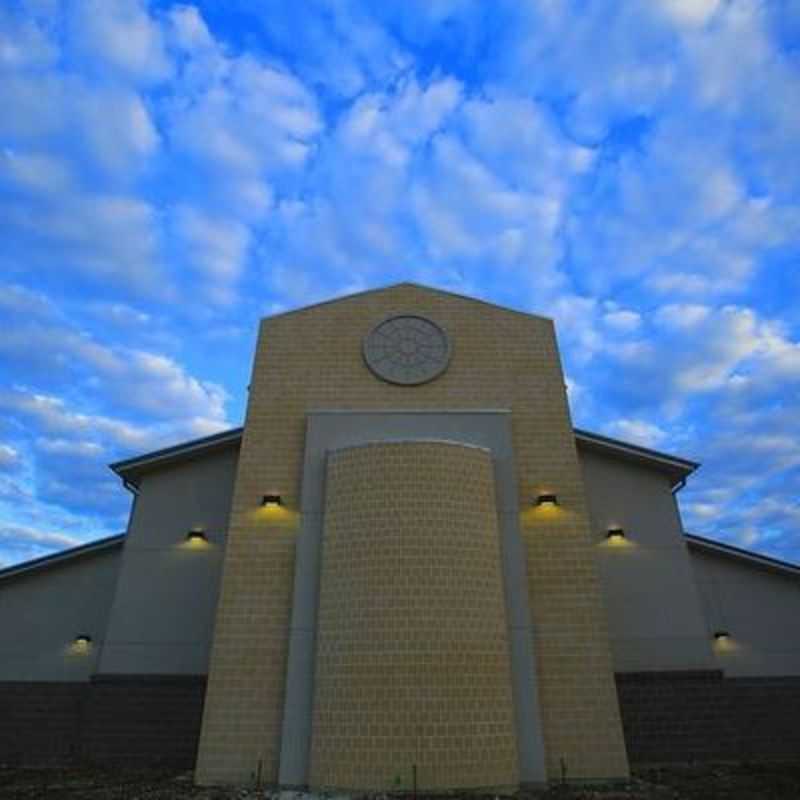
[{"x": 400, "y": 284}]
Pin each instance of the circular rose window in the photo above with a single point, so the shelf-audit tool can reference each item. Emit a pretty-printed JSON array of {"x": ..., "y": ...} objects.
[{"x": 407, "y": 349}]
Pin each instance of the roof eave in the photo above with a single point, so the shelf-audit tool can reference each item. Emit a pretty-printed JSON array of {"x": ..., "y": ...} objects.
[
  {"x": 677, "y": 468},
  {"x": 741, "y": 555},
  {"x": 130, "y": 470},
  {"x": 54, "y": 559}
]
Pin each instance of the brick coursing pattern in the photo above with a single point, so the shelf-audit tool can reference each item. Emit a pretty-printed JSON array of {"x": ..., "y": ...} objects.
[
  {"x": 312, "y": 359},
  {"x": 701, "y": 716},
  {"x": 131, "y": 720},
  {"x": 413, "y": 664},
  {"x": 667, "y": 717},
  {"x": 41, "y": 722},
  {"x": 144, "y": 720}
]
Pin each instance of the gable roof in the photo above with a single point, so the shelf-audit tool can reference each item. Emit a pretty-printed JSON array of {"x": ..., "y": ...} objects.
[
  {"x": 400, "y": 285},
  {"x": 54, "y": 559},
  {"x": 131, "y": 469}
]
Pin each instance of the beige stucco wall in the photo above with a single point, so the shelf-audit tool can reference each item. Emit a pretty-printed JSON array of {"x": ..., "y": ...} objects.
[
  {"x": 654, "y": 610},
  {"x": 42, "y": 612},
  {"x": 759, "y": 607},
  {"x": 162, "y": 616},
  {"x": 312, "y": 359},
  {"x": 412, "y": 663}
]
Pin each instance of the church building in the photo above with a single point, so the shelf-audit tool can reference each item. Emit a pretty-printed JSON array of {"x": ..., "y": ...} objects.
[{"x": 406, "y": 569}]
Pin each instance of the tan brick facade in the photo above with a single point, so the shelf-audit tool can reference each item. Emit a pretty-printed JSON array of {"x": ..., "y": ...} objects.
[
  {"x": 412, "y": 650},
  {"x": 312, "y": 359}
]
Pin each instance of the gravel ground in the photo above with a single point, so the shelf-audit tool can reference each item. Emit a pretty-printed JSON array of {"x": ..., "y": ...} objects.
[{"x": 718, "y": 782}]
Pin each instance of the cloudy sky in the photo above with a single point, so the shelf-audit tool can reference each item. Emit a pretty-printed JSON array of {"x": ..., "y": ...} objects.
[{"x": 170, "y": 173}]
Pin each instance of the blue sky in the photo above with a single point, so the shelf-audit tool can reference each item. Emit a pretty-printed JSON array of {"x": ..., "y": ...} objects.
[{"x": 170, "y": 173}]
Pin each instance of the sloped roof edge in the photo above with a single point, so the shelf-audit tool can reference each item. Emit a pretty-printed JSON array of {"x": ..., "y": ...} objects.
[
  {"x": 90, "y": 548},
  {"x": 416, "y": 285},
  {"x": 694, "y": 542},
  {"x": 702, "y": 544},
  {"x": 130, "y": 469},
  {"x": 676, "y": 467}
]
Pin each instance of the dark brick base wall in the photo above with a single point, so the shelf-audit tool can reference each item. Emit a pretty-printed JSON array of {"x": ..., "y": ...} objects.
[
  {"x": 155, "y": 720},
  {"x": 40, "y": 722},
  {"x": 131, "y": 720},
  {"x": 701, "y": 716}
]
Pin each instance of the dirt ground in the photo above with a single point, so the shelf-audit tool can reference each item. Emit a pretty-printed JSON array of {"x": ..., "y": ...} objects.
[{"x": 715, "y": 782}]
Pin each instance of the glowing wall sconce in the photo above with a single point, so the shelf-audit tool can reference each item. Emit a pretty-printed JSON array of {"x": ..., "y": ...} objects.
[
  {"x": 83, "y": 640},
  {"x": 547, "y": 500},
  {"x": 196, "y": 535},
  {"x": 271, "y": 501},
  {"x": 721, "y": 636},
  {"x": 615, "y": 533}
]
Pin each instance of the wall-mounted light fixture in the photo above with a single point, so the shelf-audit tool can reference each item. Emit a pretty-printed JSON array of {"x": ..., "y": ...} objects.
[
  {"x": 83, "y": 640},
  {"x": 271, "y": 500},
  {"x": 547, "y": 500},
  {"x": 615, "y": 532},
  {"x": 196, "y": 535},
  {"x": 721, "y": 635}
]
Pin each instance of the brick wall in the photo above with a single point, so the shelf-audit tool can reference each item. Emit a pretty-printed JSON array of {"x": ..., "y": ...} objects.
[
  {"x": 40, "y": 723},
  {"x": 136, "y": 721},
  {"x": 312, "y": 359},
  {"x": 144, "y": 720},
  {"x": 701, "y": 716},
  {"x": 413, "y": 664},
  {"x": 667, "y": 716}
]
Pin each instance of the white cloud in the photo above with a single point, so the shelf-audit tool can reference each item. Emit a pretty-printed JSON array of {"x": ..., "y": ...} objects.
[
  {"x": 9, "y": 457},
  {"x": 528, "y": 147},
  {"x": 70, "y": 447},
  {"x": 24, "y": 43},
  {"x": 215, "y": 246},
  {"x": 36, "y": 172},
  {"x": 637, "y": 431},
  {"x": 681, "y": 315},
  {"x": 156, "y": 384},
  {"x": 729, "y": 338},
  {"x": 684, "y": 233},
  {"x": 692, "y": 13},
  {"x": 56, "y": 417},
  {"x": 780, "y": 355},
  {"x": 38, "y": 103},
  {"x": 19, "y": 536},
  {"x": 16, "y": 299},
  {"x": 575, "y": 318},
  {"x": 388, "y": 126},
  {"x": 112, "y": 238},
  {"x": 245, "y": 116},
  {"x": 118, "y": 131},
  {"x": 189, "y": 29},
  {"x": 122, "y": 36},
  {"x": 120, "y": 314},
  {"x": 622, "y": 320}
]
